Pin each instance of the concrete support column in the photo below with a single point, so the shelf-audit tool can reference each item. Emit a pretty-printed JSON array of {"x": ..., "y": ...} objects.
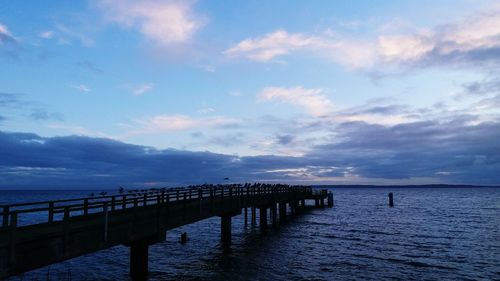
[
  {"x": 303, "y": 203},
  {"x": 316, "y": 202},
  {"x": 273, "y": 213},
  {"x": 322, "y": 201},
  {"x": 225, "y": 229},
  {"x": 139, "y": 260},
  {"x": 282, "y": 209},
  {"x": 263, "y": 218}
]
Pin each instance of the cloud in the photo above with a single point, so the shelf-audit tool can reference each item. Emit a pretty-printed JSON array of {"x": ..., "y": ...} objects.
[
  {"x": 313, "y": 100},
  {"x": 473, "y": 41},
  {"x": 206, "y": 110},
  {"x": 9, "y": 45},
  {"x": 163, "y": 22},
  {"x": 9, "y": 100},
  {"x": 468, "y": 152},
  {"x": 5, "y": 36},
  {"x": 142, "y": 89},
  {"x": 15, "y": 104},
  {"x": 29, "y": 160},
  {"x": 271, "y": 45},
  {"x": 481, "y": 88},
  {"x": 42, "y": 114},
  {"x": 68, "y": 34},
  {"x": 433, "y": 151},
  {"x": 49, "y": 34},
  {"x": 173, "y": 123},
  {"x": 81, "y": 88}
]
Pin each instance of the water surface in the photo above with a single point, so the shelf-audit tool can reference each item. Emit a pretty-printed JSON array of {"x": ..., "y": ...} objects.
[{"x": 430, "y": 234}]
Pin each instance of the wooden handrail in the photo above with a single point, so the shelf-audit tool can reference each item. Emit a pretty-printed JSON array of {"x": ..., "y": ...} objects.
[{"x": 144, "y": 197}]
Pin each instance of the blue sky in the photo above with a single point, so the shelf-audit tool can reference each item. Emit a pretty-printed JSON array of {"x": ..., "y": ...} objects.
[{"x": 102, "y": 93}]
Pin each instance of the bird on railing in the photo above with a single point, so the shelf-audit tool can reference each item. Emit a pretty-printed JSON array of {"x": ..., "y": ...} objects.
[{"x": 121, "y": 189}]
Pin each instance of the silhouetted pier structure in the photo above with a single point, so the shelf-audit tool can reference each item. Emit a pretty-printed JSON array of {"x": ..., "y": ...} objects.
[{"x": 76, "y": 227}]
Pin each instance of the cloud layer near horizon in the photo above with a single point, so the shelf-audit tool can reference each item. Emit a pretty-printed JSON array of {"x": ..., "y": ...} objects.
[{"x": 453, "y": 151}]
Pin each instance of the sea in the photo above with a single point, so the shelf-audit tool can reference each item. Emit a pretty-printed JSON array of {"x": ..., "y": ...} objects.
[{"x": 430, "y": 234}]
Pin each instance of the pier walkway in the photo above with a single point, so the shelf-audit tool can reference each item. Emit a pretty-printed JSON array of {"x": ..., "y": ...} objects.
[{"x": 74, "y": 227}]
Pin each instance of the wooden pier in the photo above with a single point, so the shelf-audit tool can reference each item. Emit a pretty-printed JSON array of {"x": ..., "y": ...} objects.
[{"x": 76, "y": 227}]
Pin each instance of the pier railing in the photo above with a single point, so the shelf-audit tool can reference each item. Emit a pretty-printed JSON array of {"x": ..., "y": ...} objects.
[{"x": 55, "y": 210}]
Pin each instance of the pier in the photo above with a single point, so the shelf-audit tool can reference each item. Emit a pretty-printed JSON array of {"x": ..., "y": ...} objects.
[{"x": 75, "y": 227}]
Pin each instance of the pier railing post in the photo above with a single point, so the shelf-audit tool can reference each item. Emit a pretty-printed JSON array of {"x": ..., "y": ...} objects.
[{"x": 51, "y": 211}]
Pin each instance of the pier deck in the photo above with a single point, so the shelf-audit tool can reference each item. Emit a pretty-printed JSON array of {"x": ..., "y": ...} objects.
[{"x": 75, "y": 227}]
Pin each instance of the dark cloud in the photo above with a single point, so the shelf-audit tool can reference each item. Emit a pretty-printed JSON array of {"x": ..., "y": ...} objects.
[
  {"x": 452, "y": 151},
  {"x": 9, "y": 99},
  {"x": 385, "y": 109},
  {"x": 481, "y": 88},
  {"x": 42, "y": 114},
  {"x": 284, "y": 139},
  {"x": 16, "y": 103}
]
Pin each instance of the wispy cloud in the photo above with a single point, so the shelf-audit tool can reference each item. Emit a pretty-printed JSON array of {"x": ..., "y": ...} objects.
[
  {"x": 474, "y": 40},
  {"x": 67, "y": 34},
  {"x": 271, "y": 45},
  {"x": 81, "y": 88},
  {"x": 5, "y": 36},
  {"x": 9, "y": 45},
  {"x": 163, "y": 22},
  {"x": 313, "y": 100},
  {"x": 142, "y": 89},
  {"x": 49, "y": 34},
  {"x": 173, "y": 123}
]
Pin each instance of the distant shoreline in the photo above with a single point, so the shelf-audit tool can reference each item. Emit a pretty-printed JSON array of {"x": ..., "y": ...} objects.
[{"x": 314, "y": 186}]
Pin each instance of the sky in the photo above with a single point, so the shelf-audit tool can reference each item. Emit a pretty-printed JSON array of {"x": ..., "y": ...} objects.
[{"x": 106, "y": 93}]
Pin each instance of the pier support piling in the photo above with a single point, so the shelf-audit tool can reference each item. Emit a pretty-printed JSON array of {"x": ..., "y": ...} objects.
[
  {"x": 225, "y": 229},
  {"x": 246, "y": 217},
  {"x": 139, "y": 260},
  {"x": 263, "y": 218},
  {"x": 282, "y": 209},
  {"x": 254, "y": 216},
  {"x": 273, "y": 213}
]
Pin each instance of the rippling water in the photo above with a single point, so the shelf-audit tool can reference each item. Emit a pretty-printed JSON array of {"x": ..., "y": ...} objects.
[{"x": 430, "y": 234}]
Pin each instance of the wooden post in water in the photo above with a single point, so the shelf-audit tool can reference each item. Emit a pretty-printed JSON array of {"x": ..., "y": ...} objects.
[
  {"x": 330, "y": 199},
  {"x": 391, "y": 199},
  {"x": 139, "y": 260}
]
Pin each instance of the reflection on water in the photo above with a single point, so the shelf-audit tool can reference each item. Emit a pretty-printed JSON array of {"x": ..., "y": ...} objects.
[{"x": 430, "y": 234}]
